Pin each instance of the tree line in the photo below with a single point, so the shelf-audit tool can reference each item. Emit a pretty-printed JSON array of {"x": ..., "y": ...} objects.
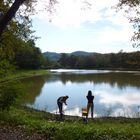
[{"x": 121, "y": 60}]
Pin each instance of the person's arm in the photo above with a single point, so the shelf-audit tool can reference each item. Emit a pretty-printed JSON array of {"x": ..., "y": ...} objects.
[
  {"x": 65, "y": 102},
  {"x": 88, "y": 97}
]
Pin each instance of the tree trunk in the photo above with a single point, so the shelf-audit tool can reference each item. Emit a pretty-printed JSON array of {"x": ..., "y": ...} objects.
[{"x": 9, "y": 15}]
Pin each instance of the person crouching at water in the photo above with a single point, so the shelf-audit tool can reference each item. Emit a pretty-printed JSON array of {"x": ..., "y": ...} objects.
[
  {"x": 90, "y": 103},
  {"x": 60, "y": 102}
]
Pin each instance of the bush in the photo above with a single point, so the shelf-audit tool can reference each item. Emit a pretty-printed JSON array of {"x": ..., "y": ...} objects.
[
  {"x": 5, "y": 68},
  {"x": 9, "y": 94}
]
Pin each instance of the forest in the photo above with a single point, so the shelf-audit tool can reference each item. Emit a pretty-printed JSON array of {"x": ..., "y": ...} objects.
[{"x": 121, "y": 60}]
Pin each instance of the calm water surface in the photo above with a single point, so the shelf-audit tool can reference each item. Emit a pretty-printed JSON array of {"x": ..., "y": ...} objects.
[{"x": 116, "y": 93}]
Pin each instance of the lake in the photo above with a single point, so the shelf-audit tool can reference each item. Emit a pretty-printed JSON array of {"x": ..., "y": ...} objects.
[{"x": 117, "y": 93}]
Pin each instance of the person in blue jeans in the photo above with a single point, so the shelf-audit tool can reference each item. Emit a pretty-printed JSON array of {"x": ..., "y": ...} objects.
[
  {"x": 60, "y": 101},
  {"x": 90, "y": 103}
]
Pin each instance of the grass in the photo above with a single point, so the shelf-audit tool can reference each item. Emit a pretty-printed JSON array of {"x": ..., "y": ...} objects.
[
  {"x": 72, "y": 128},
  {"x": 19, "y": 74}
]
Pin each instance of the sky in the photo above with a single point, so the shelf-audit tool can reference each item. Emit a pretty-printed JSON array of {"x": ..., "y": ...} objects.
[{"x": 83, "y": 25}]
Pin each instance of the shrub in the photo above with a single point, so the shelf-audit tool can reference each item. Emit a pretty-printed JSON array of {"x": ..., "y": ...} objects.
[
  {"x": 5, "y": 68},
  {"x": 9, "y": 94}
]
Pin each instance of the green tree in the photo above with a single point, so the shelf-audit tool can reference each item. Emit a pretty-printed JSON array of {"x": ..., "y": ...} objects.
[
  {"x": 15, "y": 40},
  {"x": 14, "y": 6},
  {"x": 5, "y": 68},
  {"x": 28, "y": 56},
  {"x": 81, "y": 62},
  {"x": 63, "y": 60},
  {"x": 72, "y": 61}
]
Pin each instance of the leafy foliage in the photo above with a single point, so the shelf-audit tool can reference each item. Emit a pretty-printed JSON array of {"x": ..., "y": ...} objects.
[
  {"x": 5, "y": 68},
  {"x": 28, "y": 56},
  {"x": 17, "y": 47},
  {"x": 9, "y": 94},
  {"x": 19, "y": 8}
]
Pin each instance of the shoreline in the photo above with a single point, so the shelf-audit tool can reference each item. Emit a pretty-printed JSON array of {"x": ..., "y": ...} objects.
[
  {"x": 26, "y": 123},
  {"x": 17, "y": 75}
]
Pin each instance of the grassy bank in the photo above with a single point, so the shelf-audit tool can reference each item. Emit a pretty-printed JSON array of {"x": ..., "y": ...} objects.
[
  {"x": 72, "y": 128},
  {"x": 19, "y": 74}
]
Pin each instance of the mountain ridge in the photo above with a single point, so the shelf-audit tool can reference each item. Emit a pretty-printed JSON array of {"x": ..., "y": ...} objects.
[{"x": 55, "y": 56}]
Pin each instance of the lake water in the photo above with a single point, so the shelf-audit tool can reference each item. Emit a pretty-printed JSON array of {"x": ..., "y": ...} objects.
[{"x": 117, "y": 93}]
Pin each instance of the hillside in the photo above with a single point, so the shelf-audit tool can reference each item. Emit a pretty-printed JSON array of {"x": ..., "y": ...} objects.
[
  {"x": 55, "y": 56},
  {"x": 52, "y": 55}
]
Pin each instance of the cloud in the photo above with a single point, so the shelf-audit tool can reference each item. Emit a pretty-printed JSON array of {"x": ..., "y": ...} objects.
[
  {"x": 124, "y": 99},
  {"x": 124, "y": 111},
  {"x": 99, "y": 26},
  {"x": 110, "y": 39},
  {"x": 112, "y": 35},
  {"x": 76, "y": 12}
]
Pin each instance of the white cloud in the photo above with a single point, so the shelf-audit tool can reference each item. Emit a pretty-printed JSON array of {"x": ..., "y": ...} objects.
[
  {"x": 75, "y": 12},
  {"x": 112, "y": 35},
  {"x": 124, "y": 111},
  {"x": 124, "y": 99},
  {"x": 111, "y": 39},
  {"x": 69, "y": 13},
  {"x": 113, "y": 29}
]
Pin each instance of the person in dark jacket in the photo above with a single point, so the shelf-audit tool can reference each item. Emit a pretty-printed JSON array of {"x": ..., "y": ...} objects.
[
  {"x": 60, "y": 101},
  {"x": 90, "y": 103}
]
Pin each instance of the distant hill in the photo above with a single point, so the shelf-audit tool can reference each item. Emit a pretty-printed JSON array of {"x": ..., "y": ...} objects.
[
  {"x": 55, "y": 56},
  {"x": 82, "y": 53},
  {"x": 52, "y": 55}
]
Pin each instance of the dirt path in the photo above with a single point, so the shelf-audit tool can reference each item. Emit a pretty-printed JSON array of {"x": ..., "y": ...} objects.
[{"x": 19, "y": 133}]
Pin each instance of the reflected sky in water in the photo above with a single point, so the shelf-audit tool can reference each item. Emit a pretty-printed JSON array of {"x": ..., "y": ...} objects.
[{"x": 122, "y": 98}]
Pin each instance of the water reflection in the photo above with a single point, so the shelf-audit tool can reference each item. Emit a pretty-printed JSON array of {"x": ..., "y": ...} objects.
[
  {"x": 33, "y": 88},
  {"x": 122, "y": 79},
  {"x": 116, "y": 93}
]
